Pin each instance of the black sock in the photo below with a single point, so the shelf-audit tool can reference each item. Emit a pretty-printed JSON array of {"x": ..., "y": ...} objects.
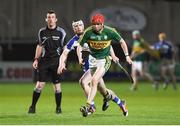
[
  {"x": 35, "y": 97},
  {"x": 58, "y": 96}
]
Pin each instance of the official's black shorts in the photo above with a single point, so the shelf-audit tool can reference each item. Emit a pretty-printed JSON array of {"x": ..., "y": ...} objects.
[{"x": 47, "y": 71}]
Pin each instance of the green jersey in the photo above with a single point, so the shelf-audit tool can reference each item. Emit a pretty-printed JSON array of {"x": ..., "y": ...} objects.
[
  {"x": 138, "y": 47},
  {"x": 99, "y": 43}
]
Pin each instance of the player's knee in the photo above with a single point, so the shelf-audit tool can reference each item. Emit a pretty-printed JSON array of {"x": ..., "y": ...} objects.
[
  {"x": 95, "y": 82},
  {"x": 39, "y": 86},
  {"x": 57, "y": 87}
]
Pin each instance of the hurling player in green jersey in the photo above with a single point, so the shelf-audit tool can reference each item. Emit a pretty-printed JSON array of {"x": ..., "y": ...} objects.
[
  {"x": 141, "y": 61},
  {"x": 99, "y": 37},
  {"x": 85, "y": 79}
]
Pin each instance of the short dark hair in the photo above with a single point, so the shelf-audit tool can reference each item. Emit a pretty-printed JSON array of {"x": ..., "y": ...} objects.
[{"x": 51, "y": 12}]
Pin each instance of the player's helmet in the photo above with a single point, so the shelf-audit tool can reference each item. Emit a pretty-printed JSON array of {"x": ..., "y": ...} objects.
[
  {"x": 97, "y": 18},
  {"x": 75, "y": 23},
  {"x": 136, "y": 32}
]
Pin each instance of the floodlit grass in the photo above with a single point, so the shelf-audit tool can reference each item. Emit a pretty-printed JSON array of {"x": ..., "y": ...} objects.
[{"x": 146, "y": 106}]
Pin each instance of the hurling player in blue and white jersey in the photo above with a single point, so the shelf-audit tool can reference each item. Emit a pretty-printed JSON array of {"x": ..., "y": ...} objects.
[
  {"x": 78, "y": 28},
  {"x": 167, "y": 64}
]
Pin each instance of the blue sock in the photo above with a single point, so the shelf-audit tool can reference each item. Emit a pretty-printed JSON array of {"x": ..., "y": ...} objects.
[{"x": 117, "y": 101}]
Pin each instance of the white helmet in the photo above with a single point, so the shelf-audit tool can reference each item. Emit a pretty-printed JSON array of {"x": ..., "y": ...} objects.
[
  {"x": 136, "y": 32},
  {"x": 74, "y": 24}
]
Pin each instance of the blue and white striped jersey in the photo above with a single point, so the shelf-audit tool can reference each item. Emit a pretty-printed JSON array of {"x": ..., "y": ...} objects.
[{"x": 73, "y": 42}]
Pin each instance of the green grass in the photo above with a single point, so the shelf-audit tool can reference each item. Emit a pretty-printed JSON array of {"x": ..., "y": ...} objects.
[{"x": 146, "y": 106}]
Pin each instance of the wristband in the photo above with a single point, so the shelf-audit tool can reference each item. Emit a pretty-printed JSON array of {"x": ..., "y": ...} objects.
[
  {"x": 36, "y": 59},
  {"x": 126, "y": 54}
]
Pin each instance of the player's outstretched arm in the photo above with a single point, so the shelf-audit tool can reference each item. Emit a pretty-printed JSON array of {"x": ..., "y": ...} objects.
[
  {"x": 114, "y": 57},
  {"x": 79, "y": 54},
  {"x": 125, "y": 50},
  {"x": 62, "y": 61}
]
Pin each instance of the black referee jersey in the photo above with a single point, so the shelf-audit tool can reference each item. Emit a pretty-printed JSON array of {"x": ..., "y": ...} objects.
[{"x": 52, "y": 41}]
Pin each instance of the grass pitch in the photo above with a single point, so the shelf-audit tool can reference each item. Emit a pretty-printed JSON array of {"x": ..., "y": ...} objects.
[{"x": 146, "y": 106}]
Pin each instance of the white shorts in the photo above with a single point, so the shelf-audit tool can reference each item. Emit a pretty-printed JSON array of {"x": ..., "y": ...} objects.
[
  {"x": 94, "y": 63},
  {"x": 137, "y": 66}
]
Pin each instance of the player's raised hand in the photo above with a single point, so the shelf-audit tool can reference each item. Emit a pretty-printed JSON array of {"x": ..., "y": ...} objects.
[{"x": 35, "y": 64}]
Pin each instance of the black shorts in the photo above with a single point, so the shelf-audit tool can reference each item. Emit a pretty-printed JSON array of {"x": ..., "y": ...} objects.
[{"x": 47, "y": 71}]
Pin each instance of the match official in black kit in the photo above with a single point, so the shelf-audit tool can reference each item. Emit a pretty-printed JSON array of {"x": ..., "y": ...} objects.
[{"x": 46, "y": 61}]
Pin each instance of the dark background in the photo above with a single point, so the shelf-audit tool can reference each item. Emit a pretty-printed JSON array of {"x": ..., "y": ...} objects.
[{"x": 20, "y": 21}]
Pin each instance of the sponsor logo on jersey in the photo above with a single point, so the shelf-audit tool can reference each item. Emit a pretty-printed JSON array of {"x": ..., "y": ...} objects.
[
  {"x": 55, "y": 37},
  {"x": 99, "y": 44}
]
